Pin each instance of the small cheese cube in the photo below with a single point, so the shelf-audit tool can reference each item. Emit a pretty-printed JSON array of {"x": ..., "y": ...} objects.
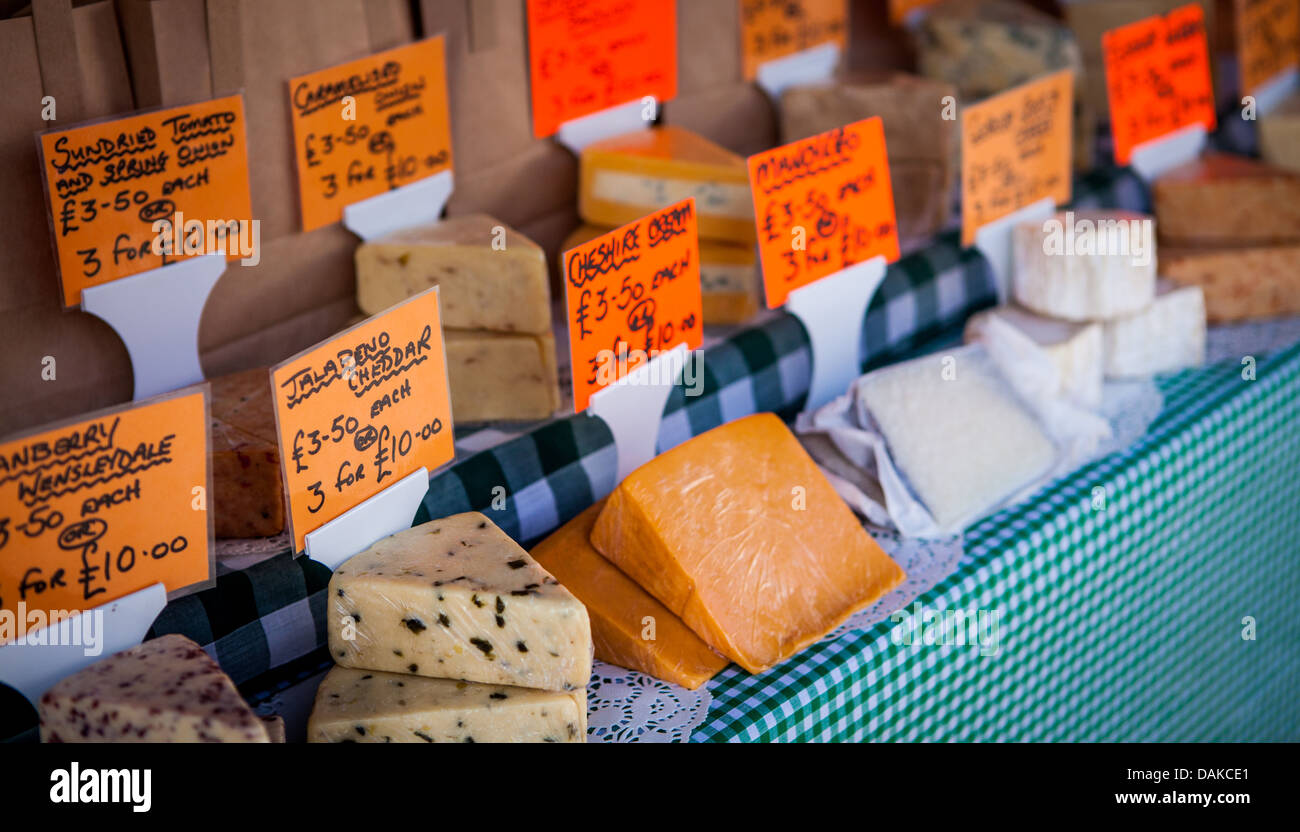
[
  {"x": 247, "y": 492},
  {"x": 1075, "y": 348},
  {"x": 738, "y": 533},
  {"x": 496, "y": 376},
  {"x": 371, "y": 706},
  {"x": 1225, "y": 200},
  {"x": 1239, "y": 283},
  {"x": 623, "y": 178},
  {"x": 1166, "y": 336},
  {"x": 490, "y": 276},
  {"x": 165, "y": 690},
  {"x": 628, "y": 626},
  {"x": 456, "y": 598}
]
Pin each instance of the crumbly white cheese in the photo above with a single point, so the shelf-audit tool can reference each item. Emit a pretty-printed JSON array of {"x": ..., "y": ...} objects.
[
  {"x": 1168, "y": 335},
  {"x": 1074, "y": 348}
]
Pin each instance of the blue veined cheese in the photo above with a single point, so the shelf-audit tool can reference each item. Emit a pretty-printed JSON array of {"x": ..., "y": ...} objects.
[
  {"x": 371, "y": 706},
  {"x": 456, "y": 598},
  {"x": 1168, "y": 335},
  {"x": 1074, "y": 348}
]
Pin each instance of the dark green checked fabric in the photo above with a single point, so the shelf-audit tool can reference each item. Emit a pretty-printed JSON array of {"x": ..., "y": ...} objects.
[{"x": 1119, "y": 621}]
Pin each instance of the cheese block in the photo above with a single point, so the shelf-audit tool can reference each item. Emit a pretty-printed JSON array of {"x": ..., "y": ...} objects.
[
  {"x": 738, "y": 533},
  {"x": 489, "y": 275},
  {"x": 371, "y": 706},
  {"x": 1225, "y": 200},
  {"x": 730, "y": 284},
  {"x": 165, "y": 690},
  {"x": 623, "y": 178},
  {"x": 1074, "y": 348},
  {"x": 956, "y": 433},
  {"x": 1168, "y": 335},
  {"x": 496, "y": 376},
  {"x": 922, "y": 144},
  {"x": 628, "y": 626},
  {"x": 1239, "y": 283},
  {"x": 247, "y": 492},
  {"x": 1279, "y": 135},
  {"x": 456, "y": 598},
  {"x": 1085, "y": 265}
]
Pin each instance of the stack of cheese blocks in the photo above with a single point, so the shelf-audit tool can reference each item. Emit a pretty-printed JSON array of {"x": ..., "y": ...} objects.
[
  {"x": 730, "y": 546},
  {"x": 495, "y": 300},
  {"x": 1085, "y": 290},
  {"x": 449, "y": 632},
  {"x": 625, "y": 177}
]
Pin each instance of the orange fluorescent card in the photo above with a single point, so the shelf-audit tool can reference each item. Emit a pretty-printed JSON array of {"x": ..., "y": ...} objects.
[
  {"x": 370, "y": 126},
  {"x": 771, "y": 29},
  {"x": 822, "y": 204},
  {"x": 1268, "y": 40},
  {"x": 585, "y": 56},
  {"x": 1015, "y": 150},
  {"x": 98, "y": 508},
  {"x": 360, "y": 411},
  {"x": 131, "y": 194},
  {"x": 1157, "y": 78},
  {"x": 631, "y": 295},
  {"x": 900, "y": 9}
]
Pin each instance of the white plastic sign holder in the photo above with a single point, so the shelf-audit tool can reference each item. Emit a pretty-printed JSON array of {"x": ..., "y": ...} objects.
[
  {"x": 32, "y": 669},
  {"x": 418, "y": 203},
  {"x": 994, "y": 241},
  {"x": 832, "y": 310},
  {"x": 388, "y": 512},
  {"x": 809, "y": 66},
  {"x": 1151, "y": 159},
  {"x": 156, "y": 314},
  {"x": 633, "y": 407},
  {"x": 577, "y": 133},
  {"x": 1274, "y": 91}
]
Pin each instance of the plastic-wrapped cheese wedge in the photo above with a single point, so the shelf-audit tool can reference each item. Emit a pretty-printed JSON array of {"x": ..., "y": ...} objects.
[
  {"x": 1166, "y": 336},
  {"x": 628, "y": 626},
  {"x": 1074, "y": 348},
  {"x": 457, "y": 598},
  {"x": 165, "y": 690},
  {"x": 738, "y": 533},
  {"x": 369, "y": 706},
  {"x": 956, "y": 432}
]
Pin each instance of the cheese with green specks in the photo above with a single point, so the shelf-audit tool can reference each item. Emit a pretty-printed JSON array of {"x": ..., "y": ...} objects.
[
  {"x": 456, "y": 598},
  {"x": 370, "y": 706}
]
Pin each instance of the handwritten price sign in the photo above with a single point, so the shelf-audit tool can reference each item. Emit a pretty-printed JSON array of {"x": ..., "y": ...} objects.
[
  {"x": 822, "y": 204},
  {"x": 585, "y": 56},
  {"x": 360, "y": 411},
  {"x": 1015, "y": 150},
  {"x": 771, "y": 29},
  {"x": 1268, "y": 40},
  {"x": 109, "y": 182},
  {"x": 363, "y": 128},
  {"x": 1157, "y": 78},
  {"x": 632, "y": 294},
  {"x": 106, "y": 506}
]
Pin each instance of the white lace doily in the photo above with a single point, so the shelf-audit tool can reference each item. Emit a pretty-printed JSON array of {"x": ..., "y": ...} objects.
[
  {"x": 627, "y": 706},
  {"x": 926, "y": 562},
  {"x": 1232, "y": 342}
]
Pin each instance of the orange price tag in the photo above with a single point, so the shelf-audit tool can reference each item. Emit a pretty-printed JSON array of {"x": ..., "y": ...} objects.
[
  {"x": 822, "y": 204},
  {"x": 772, "y": 29},
  {"x": 585, "y": 56},
  {"x": 360, "y": 411},
  {"x": 900, "y": 9},
  {"x": 632, "y": 295},
  {"x": 131, "y": 194},
  {"x": 366, "y": 127},
  {"x": 106, "y": 505},
  {"x": 1268, "y": 40},
  {"x": 1158, "y": 78},
  {"x": 1015, "y": 150}
]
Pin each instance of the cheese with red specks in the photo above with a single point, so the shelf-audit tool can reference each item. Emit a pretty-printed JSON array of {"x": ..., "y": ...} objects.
[{"x": 247, "y": 492}]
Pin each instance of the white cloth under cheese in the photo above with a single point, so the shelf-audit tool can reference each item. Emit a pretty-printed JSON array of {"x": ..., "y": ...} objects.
[
  {"x": 1168, "y": 335},
  {"x": 1075, "y": 348}
]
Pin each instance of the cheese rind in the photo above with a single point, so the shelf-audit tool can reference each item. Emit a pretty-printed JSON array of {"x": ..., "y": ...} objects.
[
  {"x": 247, "y": 492},
  {"x": 1239, "y": 283},
  {"x": 372, "y": 706},
  {"x": 1224, "y": 200},
  {"x": 957, "y": 433},
  {"x": 164, "y": 690},
  {"x": 1074, "y": 348},
  {"x": 489, "y": 276},
  {"x": 622, "y": 613},
  {"x": 1085, "y": 265},
  {"x": 457, "y": 598},
  {"x": 1166, "y": 336},
  {"x": 501, "y": 377},
  {"x": 623, "y": 178},
  {"x": 738, "y": 533}
]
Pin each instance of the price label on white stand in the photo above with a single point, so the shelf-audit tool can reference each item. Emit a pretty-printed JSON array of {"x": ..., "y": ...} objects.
[
  {"x": 1159, "y": 88},
  {"x": 362, "y": 419},
  {"x": 1015, "y": 165},
  {"x": 792, "y": 42},
  {"x": 826, "y": 232},
  {"x": 146, "y": 212},
  {"x": 1268, "y": 50},
  {"x": 102, "y": 519},
  {"x": 635, "y": 318},
  {"x": 599, "y": 68}
]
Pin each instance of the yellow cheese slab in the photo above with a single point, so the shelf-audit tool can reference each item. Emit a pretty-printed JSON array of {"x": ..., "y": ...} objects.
[{"x": 501, "y": 377}]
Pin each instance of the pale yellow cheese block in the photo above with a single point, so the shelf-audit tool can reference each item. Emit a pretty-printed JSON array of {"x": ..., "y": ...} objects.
[
  {"x": 501, "y": 377},
  {"x": 490, "y": 276},
  {"x": 1279, "y": 135},
  {"x": 370, "y": 706}
]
